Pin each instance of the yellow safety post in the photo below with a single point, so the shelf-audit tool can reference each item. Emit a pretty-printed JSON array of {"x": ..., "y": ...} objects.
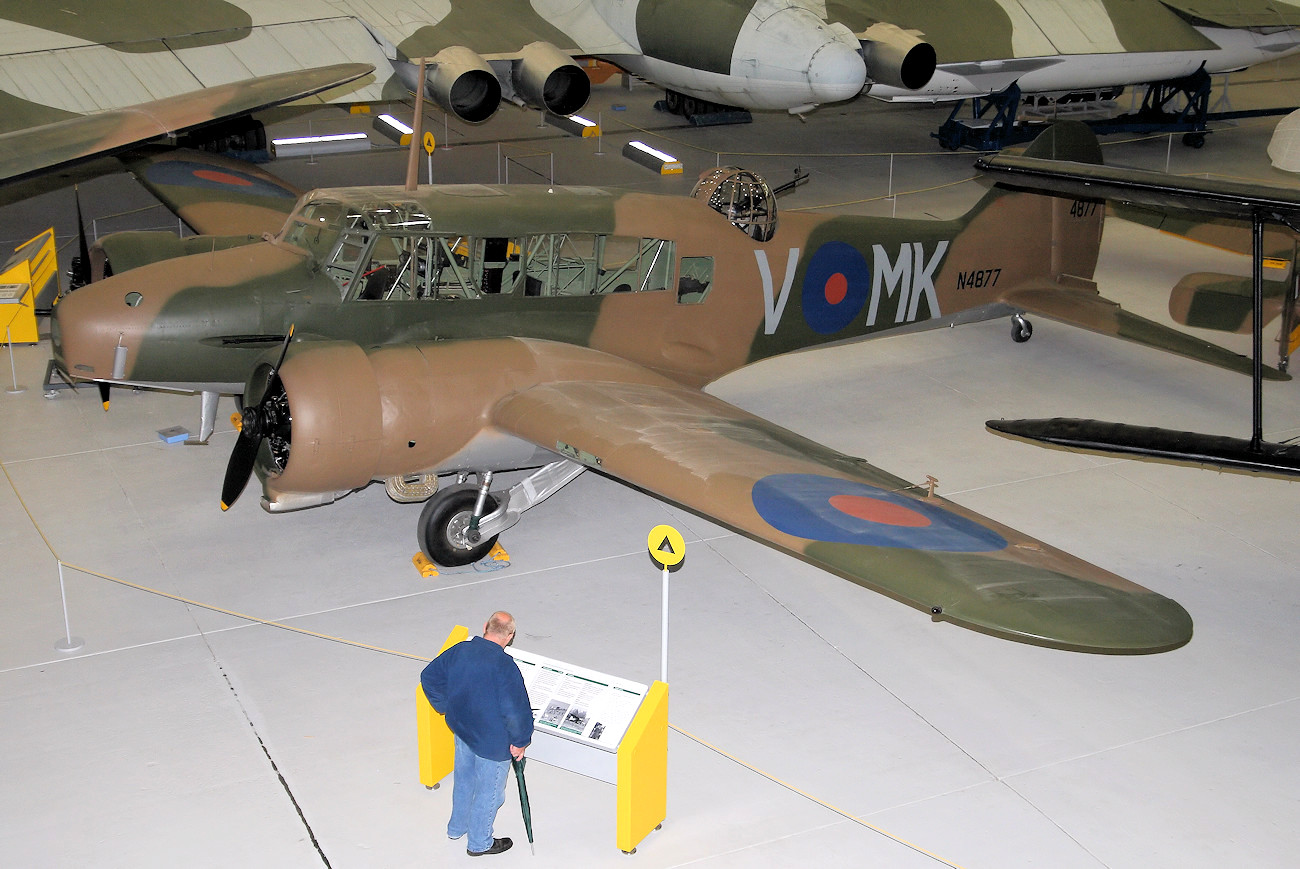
[
  {"x": 437, "y": 748},
  {"x": 643, "y": 770}
]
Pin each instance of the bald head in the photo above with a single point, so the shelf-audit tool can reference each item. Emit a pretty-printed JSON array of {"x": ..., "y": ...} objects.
[{"x": 500, "y": 628}]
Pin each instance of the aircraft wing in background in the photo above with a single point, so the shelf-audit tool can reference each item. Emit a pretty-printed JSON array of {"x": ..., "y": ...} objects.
[
  {"x": 38, "y": 150},
  {"x": 843, "y": 515}
]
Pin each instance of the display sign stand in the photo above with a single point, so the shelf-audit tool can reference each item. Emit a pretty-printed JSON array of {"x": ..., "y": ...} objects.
[{"x": 600, "y": 726}]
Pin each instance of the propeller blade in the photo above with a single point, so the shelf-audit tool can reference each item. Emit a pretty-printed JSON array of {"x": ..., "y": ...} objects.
[
  {"x": 239, "y": 469},
  {"x": 81, "y": 273},
  {"x": 243, "y": 457},
  {"x": 103, "y": 393}
]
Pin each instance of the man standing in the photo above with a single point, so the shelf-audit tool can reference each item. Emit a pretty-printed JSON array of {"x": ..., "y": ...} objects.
[{"x": 477, "y": 686}]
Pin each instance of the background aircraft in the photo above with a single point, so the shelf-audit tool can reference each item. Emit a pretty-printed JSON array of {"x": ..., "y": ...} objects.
[
  {"x": 472, "y": 329},
  {"x": 756, "y": 54}
]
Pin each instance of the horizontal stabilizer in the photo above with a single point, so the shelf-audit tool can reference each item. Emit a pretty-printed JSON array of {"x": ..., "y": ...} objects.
[
  {"x": 1088, "y": 310},
  {"x": 1156, "y": 443}
]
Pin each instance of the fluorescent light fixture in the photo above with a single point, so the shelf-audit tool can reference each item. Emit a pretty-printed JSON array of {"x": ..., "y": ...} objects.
[
  {"x": 652, "y": 158},
  {"x": 397, "y": 125},
  {"x": 318, "y": 140},
  {"x": 653, "y": 152}
]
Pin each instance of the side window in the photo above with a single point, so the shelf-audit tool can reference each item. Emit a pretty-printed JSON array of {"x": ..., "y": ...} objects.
[
  {"x": 561, "y": 264},
  {"x": 635, "y": 264},
  {"x": 387, "y": 274},
  {"x": 696, "y": 278}
]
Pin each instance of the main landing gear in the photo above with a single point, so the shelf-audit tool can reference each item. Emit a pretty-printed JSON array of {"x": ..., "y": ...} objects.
[
  {"x": 701, "y": 113},
  {"x": 444, "y": 529},
  {"x": 460, "y": 524}
]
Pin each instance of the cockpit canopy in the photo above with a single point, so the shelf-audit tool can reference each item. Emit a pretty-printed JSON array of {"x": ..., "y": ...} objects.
[
  {"x": 742, "y": 197},
  {"x": 389, "y": 250}
]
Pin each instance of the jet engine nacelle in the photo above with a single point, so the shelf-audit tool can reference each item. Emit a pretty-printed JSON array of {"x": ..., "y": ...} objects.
[
  {"x": 359, "y": 415},
  {"x": 464, "y": 84},
  {"x": 547, "y": 78},
  {"x": 897, "y": 58}
]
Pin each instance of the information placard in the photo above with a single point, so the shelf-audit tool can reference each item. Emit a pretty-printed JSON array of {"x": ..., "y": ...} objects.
[{"x": 575, "y": 703}]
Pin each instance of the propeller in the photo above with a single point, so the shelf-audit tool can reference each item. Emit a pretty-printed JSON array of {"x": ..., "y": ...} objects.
[
  {"x": 269, "y": 418},
  {"x": 79, "y": 274}
]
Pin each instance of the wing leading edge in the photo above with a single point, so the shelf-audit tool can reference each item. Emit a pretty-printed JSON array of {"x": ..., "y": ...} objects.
[{"x": 844, "y": 515}]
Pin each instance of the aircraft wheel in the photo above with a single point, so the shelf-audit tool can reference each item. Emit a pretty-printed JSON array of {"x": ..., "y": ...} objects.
[
  {"x": 1194, "y": 140},
  {"x": 690, "y": 106},
  {"x": 1021, "y": 329},
  {"x": 444, "y": 522},
  {"x": 673, "y": 100}
]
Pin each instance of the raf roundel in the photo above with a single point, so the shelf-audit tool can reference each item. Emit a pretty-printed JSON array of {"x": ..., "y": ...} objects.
[
  {"x": 199, "y": 176},
  {"x": 835, "y": 287},
  {"x": 833, "y": 510}
]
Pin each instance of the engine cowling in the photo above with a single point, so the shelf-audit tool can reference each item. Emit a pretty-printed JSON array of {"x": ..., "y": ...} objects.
[
  {"x": 359, "y": 415},
  {"x": 547, "y": 78},
  {"x": 897, "y": 58},
  {"x": 464, "y": 84}
]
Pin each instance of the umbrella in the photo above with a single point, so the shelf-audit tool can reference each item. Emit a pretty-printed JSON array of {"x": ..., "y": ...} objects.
[{"x": 518, "y": 764}]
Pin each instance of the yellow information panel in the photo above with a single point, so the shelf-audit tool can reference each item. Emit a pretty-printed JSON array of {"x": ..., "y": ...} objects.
[
  {"x": 643, "y": 771},
  {"x": 27, "y": 275},
  {"x": 437, "y": 748}
]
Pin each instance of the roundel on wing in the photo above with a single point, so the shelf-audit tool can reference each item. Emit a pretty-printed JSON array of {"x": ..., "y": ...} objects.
[
  {"x": 833, "y": 510},
  {"x": 835, "y": 287},
  {"x": 200, "y": 176}
]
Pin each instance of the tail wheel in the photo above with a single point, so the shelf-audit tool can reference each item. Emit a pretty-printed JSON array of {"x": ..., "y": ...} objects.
[
  {"x": 1021, "y": 329},
  {"x": 444, "y": 523}
]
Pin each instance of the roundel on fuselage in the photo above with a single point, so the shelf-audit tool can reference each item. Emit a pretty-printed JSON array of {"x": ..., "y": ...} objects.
[{"x": 835, "y": 287}]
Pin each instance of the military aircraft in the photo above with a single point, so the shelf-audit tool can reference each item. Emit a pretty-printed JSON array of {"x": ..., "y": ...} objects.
[
  {"x": 450, "y": 331},
  {"x": 82, "y": 56}
]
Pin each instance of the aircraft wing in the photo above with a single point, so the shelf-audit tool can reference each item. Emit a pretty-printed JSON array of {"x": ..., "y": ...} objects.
[
  {"x": 37, "y": 150},
  {"x": 1084, "y": 307},
  {"x": 215, "y": 195},
  {"x": 843, "y": 514},
  {"x": 1214, "y": 196}
]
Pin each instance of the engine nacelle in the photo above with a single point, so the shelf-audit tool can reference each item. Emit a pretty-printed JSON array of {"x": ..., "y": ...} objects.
[
  {"x": 547, "y": 78},
  {"x": 122, "y": 251},
  {"x": 897, "y": 58},
  {"x": 359, "y": 415},
  {"x": 464, "y": 84}
]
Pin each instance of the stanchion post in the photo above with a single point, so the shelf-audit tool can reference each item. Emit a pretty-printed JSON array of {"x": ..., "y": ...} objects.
[
  {"x": 16, "y": 390},
  {"x": 69, "y": 643}
]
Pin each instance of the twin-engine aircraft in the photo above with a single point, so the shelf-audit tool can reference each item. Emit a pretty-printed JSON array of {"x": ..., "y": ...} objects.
[{"x": 421, "y": 337}]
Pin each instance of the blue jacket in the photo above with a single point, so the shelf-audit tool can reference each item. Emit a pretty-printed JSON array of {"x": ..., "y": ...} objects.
[{"x": 480, "y": 690}]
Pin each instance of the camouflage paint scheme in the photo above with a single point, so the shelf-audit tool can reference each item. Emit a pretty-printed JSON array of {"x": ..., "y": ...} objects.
[
  {"x": 380, "y": 389},
  {"x": 42, "y": 149},
  {"x": 758, "y": 54}
]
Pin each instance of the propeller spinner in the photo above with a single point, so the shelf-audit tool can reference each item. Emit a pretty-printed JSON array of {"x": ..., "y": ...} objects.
[{"x": 269, "y": 419}]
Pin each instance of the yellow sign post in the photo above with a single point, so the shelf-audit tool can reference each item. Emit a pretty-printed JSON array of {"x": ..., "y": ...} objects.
[{"x": 668, "y": 548}]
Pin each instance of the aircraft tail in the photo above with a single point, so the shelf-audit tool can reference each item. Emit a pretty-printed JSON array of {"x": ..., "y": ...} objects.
[{"x": 1053, "y": 239}]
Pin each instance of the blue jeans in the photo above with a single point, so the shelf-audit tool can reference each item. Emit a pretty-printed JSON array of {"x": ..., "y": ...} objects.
[{"x": 478, "y": 790}]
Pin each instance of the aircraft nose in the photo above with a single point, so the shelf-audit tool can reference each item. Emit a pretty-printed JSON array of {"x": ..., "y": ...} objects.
[
  {"x": 836, "y": 72},
  {"x": 800, "y": 60}
]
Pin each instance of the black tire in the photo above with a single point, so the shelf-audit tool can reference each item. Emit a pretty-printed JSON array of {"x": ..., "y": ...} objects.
[
  {"x": 442, "y": 525},
  {"x": 1021, "y": 330},
  {"x": 1194, "y": 140},
  {"x": 673, "y": 101}
]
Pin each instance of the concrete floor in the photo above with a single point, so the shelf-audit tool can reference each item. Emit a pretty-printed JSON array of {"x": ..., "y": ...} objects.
[{"x": 813, "y": 722}]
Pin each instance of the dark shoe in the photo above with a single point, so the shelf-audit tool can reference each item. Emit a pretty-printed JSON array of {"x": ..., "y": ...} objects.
[{"x": 498, "y": 845}]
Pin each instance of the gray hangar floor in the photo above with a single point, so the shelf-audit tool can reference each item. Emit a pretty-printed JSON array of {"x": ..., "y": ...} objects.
[{"x": 814, "y": 722}]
